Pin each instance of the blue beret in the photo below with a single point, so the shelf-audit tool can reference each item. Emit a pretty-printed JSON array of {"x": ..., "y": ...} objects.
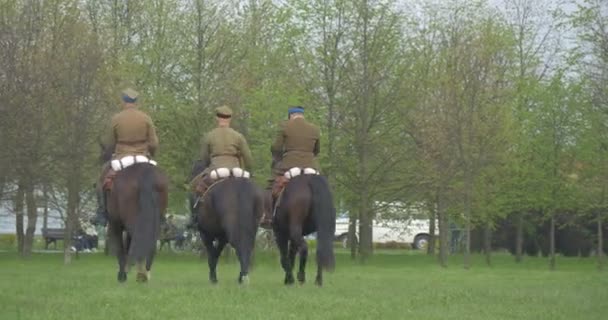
[{"x": 296, "y": 109}]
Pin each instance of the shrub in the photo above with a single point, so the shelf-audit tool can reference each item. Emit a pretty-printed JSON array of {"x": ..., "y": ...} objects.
[{"x": 8, "y": 240}]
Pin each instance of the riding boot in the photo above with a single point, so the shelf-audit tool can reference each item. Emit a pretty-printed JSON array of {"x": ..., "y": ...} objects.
[
  {"x": 266, "y": 222},
  {"x": 101, "y": 215},
  {"x": 200, "y": 188}
]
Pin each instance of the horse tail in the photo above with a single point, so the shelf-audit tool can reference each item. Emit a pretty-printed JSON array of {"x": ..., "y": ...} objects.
[
  {"x": 147, "y": 222},
  {"x": 324, "y": 214},
  {"x": 246, "y": 220}
]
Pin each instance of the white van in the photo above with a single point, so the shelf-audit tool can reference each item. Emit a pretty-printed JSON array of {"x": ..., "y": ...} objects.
[{"x": 414, "y": 232}]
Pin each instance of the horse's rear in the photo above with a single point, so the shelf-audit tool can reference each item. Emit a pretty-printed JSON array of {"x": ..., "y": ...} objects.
[
  {"x": 135, "y": 204},
  {"x": 230, "y": 213},
  {"x": 306, "y": 206}
]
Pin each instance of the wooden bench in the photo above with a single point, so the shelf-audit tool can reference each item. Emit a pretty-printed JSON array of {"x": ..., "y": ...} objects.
[{"x": 51, "y": 235}]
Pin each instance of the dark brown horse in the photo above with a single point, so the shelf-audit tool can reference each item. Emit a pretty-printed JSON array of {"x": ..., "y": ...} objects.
[
  {"x": 135, "y": 204},
  {"x": 306, "y": 206},
  {"x": 229, "y": 213}
]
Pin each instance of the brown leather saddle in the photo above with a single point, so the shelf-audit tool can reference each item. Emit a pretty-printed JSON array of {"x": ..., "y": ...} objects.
[{"x": 108, "y": 180}]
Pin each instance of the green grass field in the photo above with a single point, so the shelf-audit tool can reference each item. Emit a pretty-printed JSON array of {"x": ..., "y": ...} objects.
[{"x": 392, "y": 285}]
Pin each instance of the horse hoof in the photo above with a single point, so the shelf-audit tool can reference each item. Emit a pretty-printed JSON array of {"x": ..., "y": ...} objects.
[
  {"x": 122, "y": 276},
  {"x": 213, "y": 281},
  {"x": 301, "y": 278},
  {"x": 244, "y": 280},
  {"x": 319, "y": 282},
  {"x": 289, "y": 280},
  {"x": 142, "y": 277}
]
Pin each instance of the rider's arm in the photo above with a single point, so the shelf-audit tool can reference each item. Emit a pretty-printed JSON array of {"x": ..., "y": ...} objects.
[
  {"x": 317, "y": 147},
  {"x": 277, "y": 147},
  {"x": 205, "y": 151},
  {"x": 246, "y": 154},
  {"x": 152, "y": 138}
]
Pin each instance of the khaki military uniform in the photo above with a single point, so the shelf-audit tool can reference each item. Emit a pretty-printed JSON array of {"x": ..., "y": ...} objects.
[
  {"x": 224, "y": 147},
  {"x": 296, "y": 145},
  {"x": 133, "y": 133}
]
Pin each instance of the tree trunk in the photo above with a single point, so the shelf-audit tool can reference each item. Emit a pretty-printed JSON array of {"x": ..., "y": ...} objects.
[
  {"x": 468, "y": 187},
  {"x": 362, "y": 141},
  {"x": 365, "y": 231},
  {"x": 430, "y": 250},
  {"x": 600, "y": 241},
  {"x": 353, "y": 244},
  {"x": 519, "y": 237},
  {"x": 444, "y": 230},
  {"x": 32, "y": 217},
  {"x": 18, "y": 206},
  {"x": 487, "y": 243},
  {"x": 45, "y": 214},
  {"x": 70, "y": 223},
  {"x": 552, "y": 243}
]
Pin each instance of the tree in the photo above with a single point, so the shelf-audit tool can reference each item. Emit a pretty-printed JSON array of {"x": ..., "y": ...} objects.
[{"x": 590, "y": 23}]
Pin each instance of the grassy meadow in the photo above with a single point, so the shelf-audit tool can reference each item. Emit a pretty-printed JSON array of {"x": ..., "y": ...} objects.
[{"x": 394, "y": 284}]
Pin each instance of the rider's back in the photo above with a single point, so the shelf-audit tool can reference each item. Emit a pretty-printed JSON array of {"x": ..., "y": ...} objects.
[
  {"x": 300, "y": 143},
  {"x": 133, "y": 133}
]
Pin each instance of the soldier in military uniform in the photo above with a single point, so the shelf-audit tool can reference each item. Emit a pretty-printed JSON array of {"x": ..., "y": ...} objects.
[
  {"x": 296, "y": 145},
  {"x": 222, "y": 147},
  {"x": 132, "y": 133}
]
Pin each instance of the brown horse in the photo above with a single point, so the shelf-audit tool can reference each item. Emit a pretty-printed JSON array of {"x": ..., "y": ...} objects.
[
  {"x": 305, "y": 206},
  {"x": 229, "y": 213},
  {"x": 135, "y": 204}
]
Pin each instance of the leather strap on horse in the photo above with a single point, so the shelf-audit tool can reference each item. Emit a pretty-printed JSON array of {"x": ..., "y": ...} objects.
[
  {"x": 279, "y": 185},
  {"x": 203, "y": 193},
  {"x": 108, "y": 180},
  {"x": 132, "y": 143}
]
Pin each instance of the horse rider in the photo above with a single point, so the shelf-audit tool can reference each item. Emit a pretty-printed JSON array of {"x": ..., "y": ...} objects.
[
  {"x": 222, "y": 147},
  {"x": 296, "y": 145},
  {"x": 132, "y": 133}
]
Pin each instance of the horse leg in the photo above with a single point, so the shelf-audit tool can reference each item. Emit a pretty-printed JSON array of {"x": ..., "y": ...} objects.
[
  {"x": 293, "y": 251},
  {"x": 121, "y": 253},
  {"x": 298, "y": 245},
  {"x": 127, "y": 240},
  {"x": 303, "y": 258},
  {"x": 149, "y": 262},
  {"x": 213, "y": 256},
  {"x": 142, "y": 275},
  {"x": 319, "y": 279},
  {"x": 283, "y": 243},
  {"x": 244, "y": 252}
]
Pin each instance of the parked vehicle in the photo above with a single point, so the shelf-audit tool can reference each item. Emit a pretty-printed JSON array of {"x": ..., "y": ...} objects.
[{"x": 414, "y": 232}]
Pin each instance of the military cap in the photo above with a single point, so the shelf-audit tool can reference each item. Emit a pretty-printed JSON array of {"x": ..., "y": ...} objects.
[
  {"x": 129, "y": 95},
  {"x": 223, "y": 112},
  {"x": 295, "y": 109}
]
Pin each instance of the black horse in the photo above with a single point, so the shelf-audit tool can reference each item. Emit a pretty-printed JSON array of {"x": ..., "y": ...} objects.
[
  {"x": 306, "y": 206},
  {"x": 137, "y": 200},
  {"x": 229, "y": 213}
]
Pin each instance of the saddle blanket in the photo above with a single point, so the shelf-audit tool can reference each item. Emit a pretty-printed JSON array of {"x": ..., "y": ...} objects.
[
  {"x": 222, "y": 173},
  {"x": 128, "y": 161}
]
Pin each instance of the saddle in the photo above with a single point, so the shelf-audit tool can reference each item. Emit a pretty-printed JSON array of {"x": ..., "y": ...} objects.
[
  {"x": 204, "y": 182},
  {"x": 280, "y": 182},
  {"x": 108, "y": 180},
  {"x": 120, "y": 164}
]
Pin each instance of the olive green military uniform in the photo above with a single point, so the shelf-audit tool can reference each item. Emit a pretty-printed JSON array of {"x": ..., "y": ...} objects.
[
  {"x": 296, "y": 145},
  {"x": 224, "y": 147},
  {"x": 133, "y": 133}
]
